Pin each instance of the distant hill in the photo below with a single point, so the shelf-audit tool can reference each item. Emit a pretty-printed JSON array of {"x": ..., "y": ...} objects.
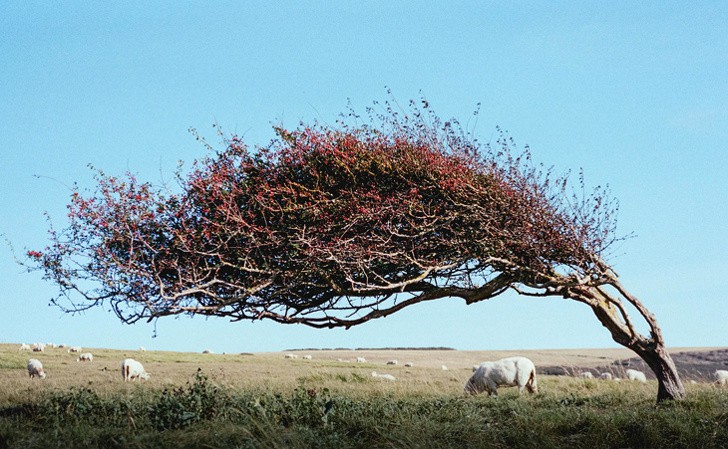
[
  {"x": 692, "y": 365},
  {"x": 429, "y": 348}
]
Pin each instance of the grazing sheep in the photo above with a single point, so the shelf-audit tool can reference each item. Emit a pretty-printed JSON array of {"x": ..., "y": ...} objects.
[
  {"x": 388, "y": 377},
  {"x": 506, "y": 372},
  {"x": 38, "y": 347},
  {"x": 24, "y": 347},
  {"x": 74, "y": 349},
  {"x": 587, "y": 375},
  {"x": 392, "y": 362},
  {"x": 409, "y": 365},
  {"x": 444, "y": 367},
  {"x": 634, "y": 375},
  {"x": 35, "y": 368},
  {"x": 307, "y": 357},
  {"x": 606, "y": 376},
  {"x": 290, "y": 356},
  {"x": 721, "y": 377},
  {"x": 207, "y": 351},
  {"x": 85, "y": 357},
  {"x": 142, "y": 349},
  {"x": 131, "y": 369},
  {"x": 361, "y": 360}
]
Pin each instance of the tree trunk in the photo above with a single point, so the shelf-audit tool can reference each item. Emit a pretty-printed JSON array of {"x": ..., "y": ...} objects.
[
  {"x": 659, "y": 360},
  {"x": 652, "y": 350}
]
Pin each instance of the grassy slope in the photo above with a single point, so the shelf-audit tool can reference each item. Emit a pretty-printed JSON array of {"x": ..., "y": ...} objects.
[{"x": 264, "y": 400}]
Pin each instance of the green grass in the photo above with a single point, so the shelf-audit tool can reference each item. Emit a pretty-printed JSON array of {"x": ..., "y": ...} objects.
[
  {"x": 202, "y": 413},
  {"x": 233, "y": 401}
]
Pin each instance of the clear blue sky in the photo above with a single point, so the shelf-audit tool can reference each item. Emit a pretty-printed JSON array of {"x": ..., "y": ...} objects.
[{"x": 635, "y": 93}]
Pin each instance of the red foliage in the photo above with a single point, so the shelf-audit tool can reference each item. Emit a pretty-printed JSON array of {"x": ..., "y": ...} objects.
[
  {"x": 35, "y": 254},
  {"x": 327, "y": 227},
  {"x": 336, "y": 226}
]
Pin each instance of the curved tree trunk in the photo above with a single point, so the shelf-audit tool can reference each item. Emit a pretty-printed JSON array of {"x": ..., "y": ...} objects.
[
  {"x": 611, "y": 313},
  {"x": 659, "y": 360}
]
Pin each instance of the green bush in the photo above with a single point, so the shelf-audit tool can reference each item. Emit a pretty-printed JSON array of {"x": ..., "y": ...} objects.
[
  {"x": 202, "y": 413},
  {"x": 199, "y": 400}
]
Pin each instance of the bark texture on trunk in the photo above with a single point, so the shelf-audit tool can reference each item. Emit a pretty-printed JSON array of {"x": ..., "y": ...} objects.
[
  {"x": 669, "y": 384},
  {"x": 610, "y": 311}
]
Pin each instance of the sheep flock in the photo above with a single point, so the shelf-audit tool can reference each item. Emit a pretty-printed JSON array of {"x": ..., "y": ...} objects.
[{"x": 477, "y": 377}]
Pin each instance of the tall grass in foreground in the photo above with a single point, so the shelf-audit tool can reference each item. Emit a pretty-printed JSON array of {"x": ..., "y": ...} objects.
[{"x": 570, "y": 413}]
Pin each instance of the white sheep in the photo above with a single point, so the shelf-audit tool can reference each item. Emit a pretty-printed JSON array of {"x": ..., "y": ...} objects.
[
  {"x": 444, "y": 367},
  {"x": 587, "y": 375},
  {"x": 388, "y": 377},
  {"x": 74, "y": 349},
  {"x": 606, "y": 376},
  {"x": 634, "y": 375},
  {"x": 24, "y": 347},
  {"x": 131, "y": 369},
  {"x": 38, "y": 347},
  {"x": 392, "y": 362},
  {"x": 207, "y": 351},
  {"x": 290, "y": 356},
  {"x": 361, "y": 360},
  {"x": 142, "y": 349},
  {"x": 721, "y": 377},
  {"x": 307, "y": 357},
  {"x": 85, "y": 357},
  {"x": 508, "y": 372},
  {"x": 409, "y": 365},
  {"x": 35, "y": 368}
]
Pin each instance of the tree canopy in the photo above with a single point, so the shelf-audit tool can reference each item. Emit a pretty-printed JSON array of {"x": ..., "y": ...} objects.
[{"x": 336, "y": 225}]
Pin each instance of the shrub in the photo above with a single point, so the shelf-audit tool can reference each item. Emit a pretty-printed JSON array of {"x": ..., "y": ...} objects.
[{"x": 180, "y": 407}]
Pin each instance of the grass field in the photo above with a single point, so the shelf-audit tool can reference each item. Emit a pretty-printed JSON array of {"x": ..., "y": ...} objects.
[{"x": 266, "y": 400}]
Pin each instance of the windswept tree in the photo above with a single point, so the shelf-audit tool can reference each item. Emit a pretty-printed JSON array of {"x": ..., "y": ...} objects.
[{"x": 335, "y": 226}]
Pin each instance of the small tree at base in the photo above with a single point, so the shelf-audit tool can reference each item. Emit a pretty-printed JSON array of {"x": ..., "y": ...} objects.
[{"x": 335, "y": 226}]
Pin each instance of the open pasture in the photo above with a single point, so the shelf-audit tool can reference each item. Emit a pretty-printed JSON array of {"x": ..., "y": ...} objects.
[
  {"x": 267, "y": 400},
  {"x": 331, "y": 368}
]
